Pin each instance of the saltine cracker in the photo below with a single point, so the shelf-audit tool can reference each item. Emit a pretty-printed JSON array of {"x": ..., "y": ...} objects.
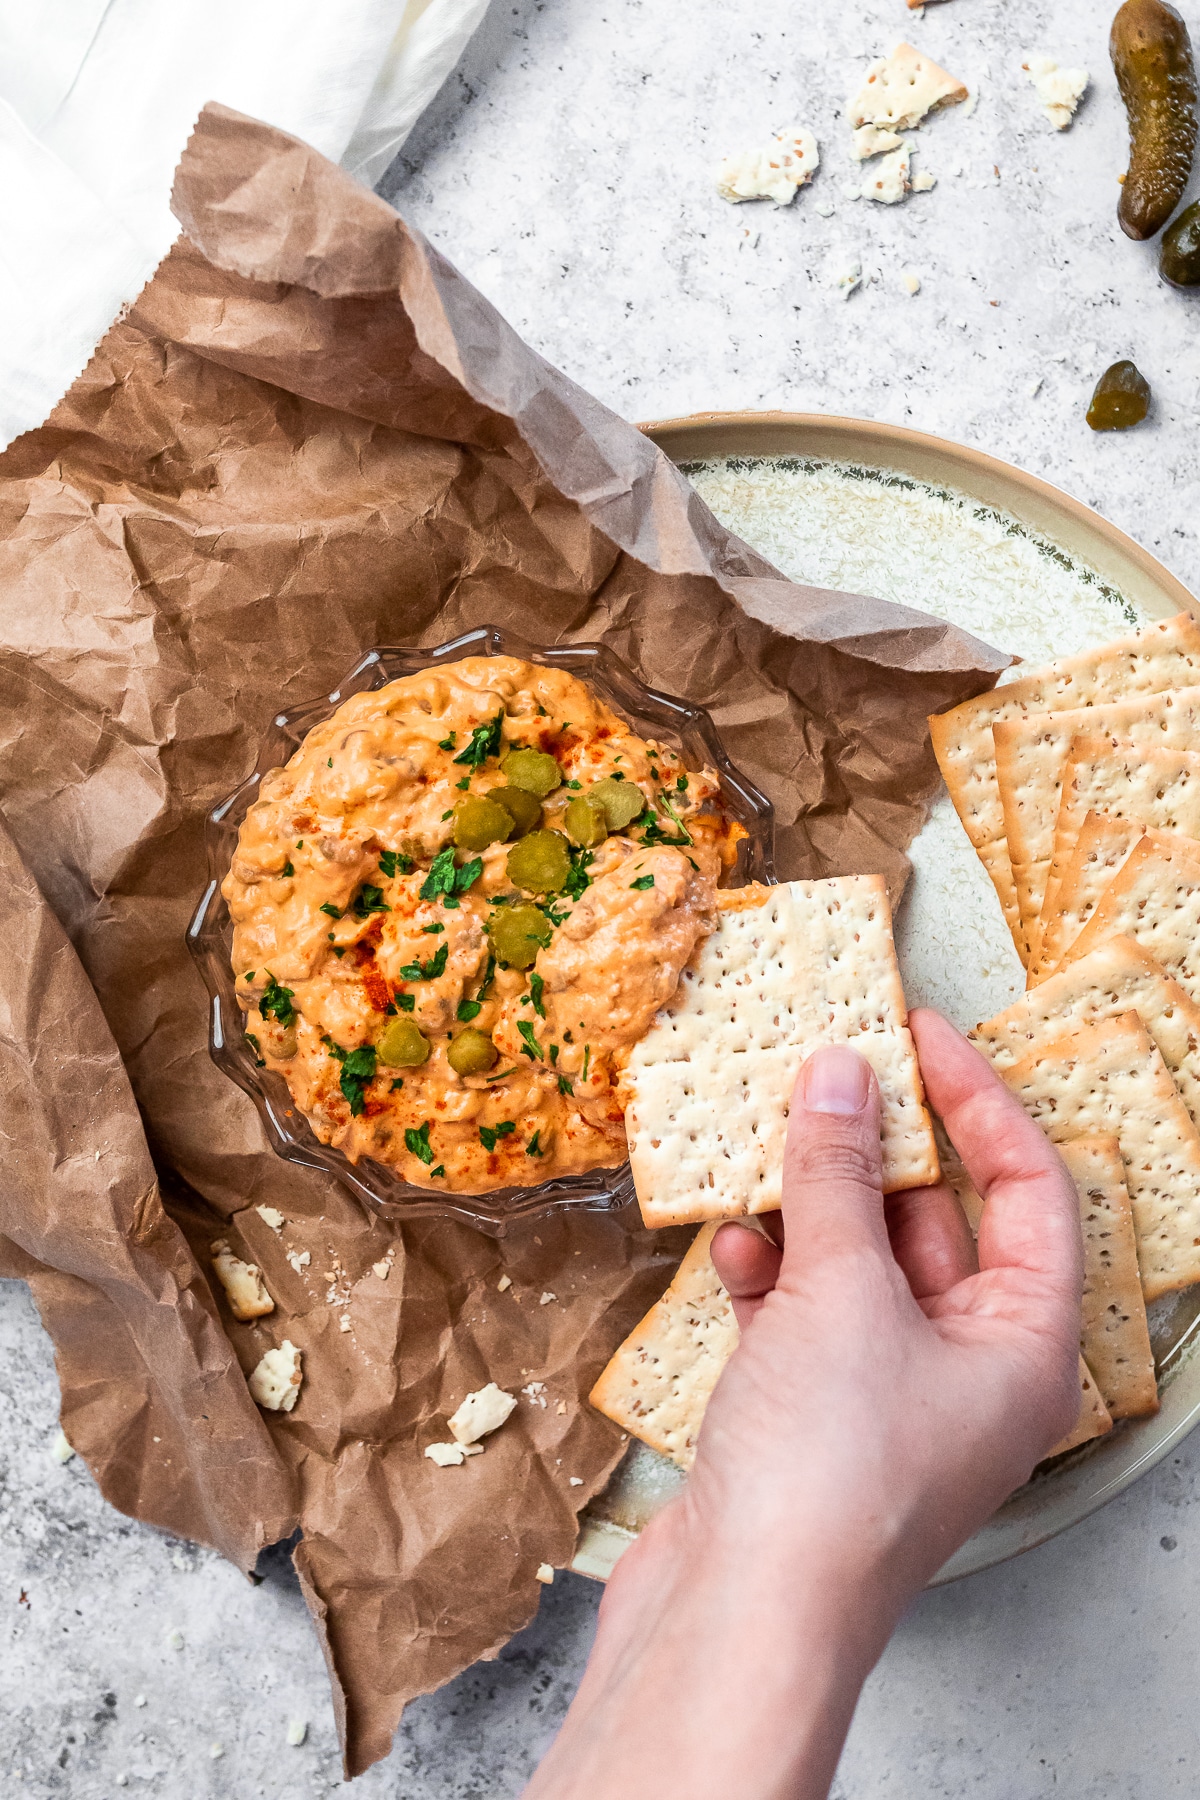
[
  {"x": 658, "y": 1384},
  {"x": 1159, "y": 788},
  {"x": 1110, "y": 1079},
  {"x": 1155, "y": 899},
  {"x": 1032, "y": 753},
  {"x": 1115, "y": 1338},
  {"x": 1165, "y": 654},
  {"x": 707, "y": 1089}
]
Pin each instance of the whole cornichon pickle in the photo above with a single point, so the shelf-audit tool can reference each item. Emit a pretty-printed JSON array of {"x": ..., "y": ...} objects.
[
  {"x": 1152, "y": 55},
  {"x": 1179, "y": 262},
  {"x": 1121, "y": 398}
]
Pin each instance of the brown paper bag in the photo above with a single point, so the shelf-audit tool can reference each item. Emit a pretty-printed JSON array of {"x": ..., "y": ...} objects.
[{"x": 308, "y": 436}]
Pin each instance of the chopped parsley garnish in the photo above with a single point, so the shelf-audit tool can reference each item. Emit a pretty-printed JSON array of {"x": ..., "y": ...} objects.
[
  {"x": 564, "y": 1085},
  {"x": 339, "y": 950},
  {"x": 531, "y": 1047},
  {"x": 288, "y": 869},
  {"x": 485, "y": 742},
  {"x": 299, "y": 843},
  {"x": 553, "y": 1054},
  {"x": 547, "y": 908},
  {"x": 681, "y": 784},
  {"x": 432, "y": 930},
  {"x": 259, "y": 1059},
  {"x": 536, "y": 988},
  {"x": 329, "y": 763},
  {"x": 654, "y": 833},
  {"x": 396, "y": 1085},
  {"x": 406, "y": 1002},
  {"x": 358, "y": 1068},
  {"x": 487, "y": 977},
  {"x": 468, "y": 1010},
  {"x": 694, "y": 864},
  {"x": 448, "y": 743},
  {"x": 417, "y": 1142},
  {"x": 578, "y": 879},
  {"x": 440, "y": 1170},
  {"x": 643, "y": 881},
  {"x": 276, "y": 1002},
  {"x": 503, "y": 1073},
  {"x": 489, "y": 1133},
  {"x": 447, "y": 880},
  {"x": 427, "y": 971},
  {"x": 369, "y": 900},
  {"x": 394, "y": 862},
  {"x": 463, "y": 784},
  {"x": 249, "y": 975},
  {"x": 327, "y": 906},
  {"x": 587, "y": 1057},
  {"x": 448, "y": 814},
  {"x": 533, "y": 1148}
]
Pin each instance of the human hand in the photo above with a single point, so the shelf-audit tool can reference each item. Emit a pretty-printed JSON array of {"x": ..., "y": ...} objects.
[{"x": 891, "y": 1387}]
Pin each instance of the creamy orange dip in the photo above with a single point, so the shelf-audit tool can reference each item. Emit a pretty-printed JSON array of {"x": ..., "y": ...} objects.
[{"x": 369, "y": 945}]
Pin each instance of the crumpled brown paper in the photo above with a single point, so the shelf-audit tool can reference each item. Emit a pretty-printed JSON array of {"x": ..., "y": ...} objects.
[{"x": 308, "y": 436}]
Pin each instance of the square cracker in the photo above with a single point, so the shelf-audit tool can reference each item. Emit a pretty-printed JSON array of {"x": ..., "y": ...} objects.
[
  {"x": 657, "y": 1386},
  {"x": 1155, "y": 899},
  {"x": 1110, "y": 1079},
  {"x": 1158, "y": 787},
  {"x": 1117, "y": 977},
  {"x": 1115, "y": 1338},
  {"x": 1102, "y": 849},
  {"x": 1032, "y": 753},
  {"x": 1093, "y": 1420},
  {"x": 707, "y": 1089},
  {"x": 1166, "y": 654}
]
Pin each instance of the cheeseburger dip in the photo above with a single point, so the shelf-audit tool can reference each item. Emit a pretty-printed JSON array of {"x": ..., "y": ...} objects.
[{"x": 458, "y": 908}]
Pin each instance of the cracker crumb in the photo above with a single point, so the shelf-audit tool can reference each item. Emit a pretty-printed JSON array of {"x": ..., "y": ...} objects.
[
  {"x": 216, "y": 1751},
  {"x": 299, "y": 1259},
  {"x": 545, "y": 1574},
  {"x": 546, "y": 1298},
  {"x": 344, "y": 1322},
  {"x": 575, "y": 1480},
  {"x": 910, "y": 283},
  {"x": 481, "y": 1412},
  {"x": 923, "y": 181},
  {"x": 270, "y": 1215},
  {"x": 777, "y": 172},
  {"x": 275, "y": 1383},
  {"x": 61, "y": 1449},
  {"x": 1058, "y": 90},
  {"x": 383, "y": 1269},
  {"x": 561, "y": 1408},
  {"x": 139, "y": 1699},
  {"x": 504, "y": 1283},
  {"x": 448, "y": 1456},
  {"x": 846, "y": 279},
  {"x": 244, "y": 1286},
  {"x": 297, "y": 1731}
]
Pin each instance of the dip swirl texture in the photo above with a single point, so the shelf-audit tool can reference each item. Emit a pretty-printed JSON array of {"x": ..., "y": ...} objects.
[{"x": 377, "y": 938}]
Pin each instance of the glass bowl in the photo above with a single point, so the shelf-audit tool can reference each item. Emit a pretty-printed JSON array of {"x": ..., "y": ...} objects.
[{"x": 688, "y": 729}]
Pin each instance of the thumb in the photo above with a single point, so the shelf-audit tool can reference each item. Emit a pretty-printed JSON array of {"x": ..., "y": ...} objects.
[{"x": 832, "y": 1166}]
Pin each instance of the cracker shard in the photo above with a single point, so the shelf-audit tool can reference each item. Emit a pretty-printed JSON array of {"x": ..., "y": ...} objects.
[
  {"x": 275, "y": 1382},
  {"x": 244, "y": 1286},
  {"x": 658, "y": 1384},
  {"x": 707, "y": 1089},
  {"x": 776, "y": 172},
  {"x": 1110, "y": 1079},
  {"x": 1115, "y": 1337},
  {"x": 481, "y": 1412},
  {"x": 902, "y": 89},
  {"x": 1166, "y": 654}
]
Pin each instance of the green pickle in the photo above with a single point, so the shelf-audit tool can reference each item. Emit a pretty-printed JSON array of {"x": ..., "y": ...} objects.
[
  {"x": 480, "y": 820},
  {"x": 525, "y": 807},
  {"x": 1152, "y": 56},
  {"x": 540, "y": 862},
  {"x": 622, "y": 801},
  {"x": 533, "y": 770},
  {"x": 585, "y": 822},
  {"x": 403, "y": 1045},
  {"x": 1121, "y": 398},
  {"x": 472, "y": 1053},
  {"x": 517, "y": 933},
  {"x": 1179, "y": 261}
]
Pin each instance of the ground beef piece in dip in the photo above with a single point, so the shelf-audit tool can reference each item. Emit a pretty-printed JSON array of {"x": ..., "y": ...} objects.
[{"x": 361, "y": 927}]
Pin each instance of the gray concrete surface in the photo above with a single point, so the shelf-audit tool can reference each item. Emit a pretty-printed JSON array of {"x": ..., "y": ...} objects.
[{"x": 566, "y": 169}]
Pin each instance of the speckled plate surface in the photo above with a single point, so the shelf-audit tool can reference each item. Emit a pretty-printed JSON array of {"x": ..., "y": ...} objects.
[{"x": 882, "y": 510}]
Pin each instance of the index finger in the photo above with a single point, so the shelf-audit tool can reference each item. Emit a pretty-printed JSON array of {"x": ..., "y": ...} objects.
[{"x": 1031, "y": 1210}]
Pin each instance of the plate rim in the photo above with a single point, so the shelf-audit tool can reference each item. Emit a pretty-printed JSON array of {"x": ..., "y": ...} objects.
[{"x": 1081, "y": 1488}]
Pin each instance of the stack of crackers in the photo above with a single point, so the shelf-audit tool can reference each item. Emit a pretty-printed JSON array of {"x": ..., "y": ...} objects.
[{"x": 1079, "y": 787}]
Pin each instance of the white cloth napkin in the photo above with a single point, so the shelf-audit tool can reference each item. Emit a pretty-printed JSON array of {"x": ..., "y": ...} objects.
[{"x": 97, "y": 98}]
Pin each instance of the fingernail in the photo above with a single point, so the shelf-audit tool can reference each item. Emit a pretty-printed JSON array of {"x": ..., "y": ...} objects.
[{"x": 836, "y": 1080}]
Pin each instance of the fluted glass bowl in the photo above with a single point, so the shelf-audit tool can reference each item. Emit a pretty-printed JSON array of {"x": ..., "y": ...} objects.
[{"x": 686, "y": 728}]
